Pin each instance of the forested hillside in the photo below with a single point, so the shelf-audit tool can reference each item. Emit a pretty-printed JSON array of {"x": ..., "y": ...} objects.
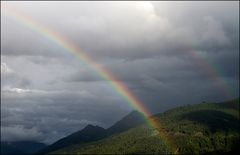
[{"x": 202, "y": 128}]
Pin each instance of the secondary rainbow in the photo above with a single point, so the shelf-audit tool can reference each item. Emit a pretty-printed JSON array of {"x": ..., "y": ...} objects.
[
  {"x": 212, "y": 71},
  {"x": 117, "y": 85}
]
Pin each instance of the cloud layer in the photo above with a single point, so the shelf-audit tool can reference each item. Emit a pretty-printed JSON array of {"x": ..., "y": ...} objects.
[{"x": 167, "y": 53}]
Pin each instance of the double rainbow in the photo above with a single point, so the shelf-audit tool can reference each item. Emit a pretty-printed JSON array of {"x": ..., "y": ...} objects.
[{"x": 116, "y": 84}]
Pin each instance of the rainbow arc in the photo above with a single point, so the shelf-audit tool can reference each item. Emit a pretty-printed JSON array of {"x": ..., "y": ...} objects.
[{"x": 117, "y": 85}]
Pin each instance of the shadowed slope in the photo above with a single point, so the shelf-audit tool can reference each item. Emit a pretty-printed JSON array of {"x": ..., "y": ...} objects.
[
  {"x": 88, "y": 134},
  {"x": 214, "y": 120}
]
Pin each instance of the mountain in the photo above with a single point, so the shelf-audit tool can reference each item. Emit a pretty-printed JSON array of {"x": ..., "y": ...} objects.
[
  {"x": 131, "y": 120},
  {"x": 206, "y": 128},
  {"x": 88, "y": 134},
  {"x": 93, "y": 133},
  {"x": 21, "y": 147}
]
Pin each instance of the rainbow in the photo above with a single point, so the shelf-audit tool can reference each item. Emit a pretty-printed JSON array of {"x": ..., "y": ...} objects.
[
  {"x": 212, "y": 71},
  {"x": 55, "y": 37},
  {"x": 115, "y": 83}
]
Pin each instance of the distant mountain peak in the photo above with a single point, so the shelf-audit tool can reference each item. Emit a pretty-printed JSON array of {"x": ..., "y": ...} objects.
[
  {"x": 89, "y": 126},
  {"x": 131, "y": 120},
  {"x": 87, "y": 134},
  {"x": 92, "y": 128},
  {"x": 134, "y": 112}
]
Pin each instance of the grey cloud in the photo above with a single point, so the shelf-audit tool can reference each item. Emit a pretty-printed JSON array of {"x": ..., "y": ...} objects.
[
  {"x": 9, "y": 78},
  {"x": 16, "y": 133},
  {"x": 167, "y": 53},
  {"x": 50, "y": 111},
  {"x": 143, "y": 31}
]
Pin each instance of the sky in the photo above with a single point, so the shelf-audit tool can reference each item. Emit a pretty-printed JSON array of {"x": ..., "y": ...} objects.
[{"x": 168, "y": 54}]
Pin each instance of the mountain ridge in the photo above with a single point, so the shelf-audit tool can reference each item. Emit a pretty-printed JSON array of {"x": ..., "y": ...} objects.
[
  {"x": 91, "y": 133},
  {"x": 201, "y": 128}
]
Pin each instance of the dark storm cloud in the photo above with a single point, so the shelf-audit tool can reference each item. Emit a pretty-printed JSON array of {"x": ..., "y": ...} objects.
[
  {"x": 42, "y": 112},
  {"x": 167, "y": 53}
]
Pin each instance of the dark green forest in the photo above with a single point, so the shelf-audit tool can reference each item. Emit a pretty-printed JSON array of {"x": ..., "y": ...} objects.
[{"x": 211, "y": 128}]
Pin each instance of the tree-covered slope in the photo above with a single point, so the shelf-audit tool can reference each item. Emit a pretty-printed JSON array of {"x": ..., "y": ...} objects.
[
  {"x": 203, "y": 128},
  {"x": 137, "y": 140}
]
